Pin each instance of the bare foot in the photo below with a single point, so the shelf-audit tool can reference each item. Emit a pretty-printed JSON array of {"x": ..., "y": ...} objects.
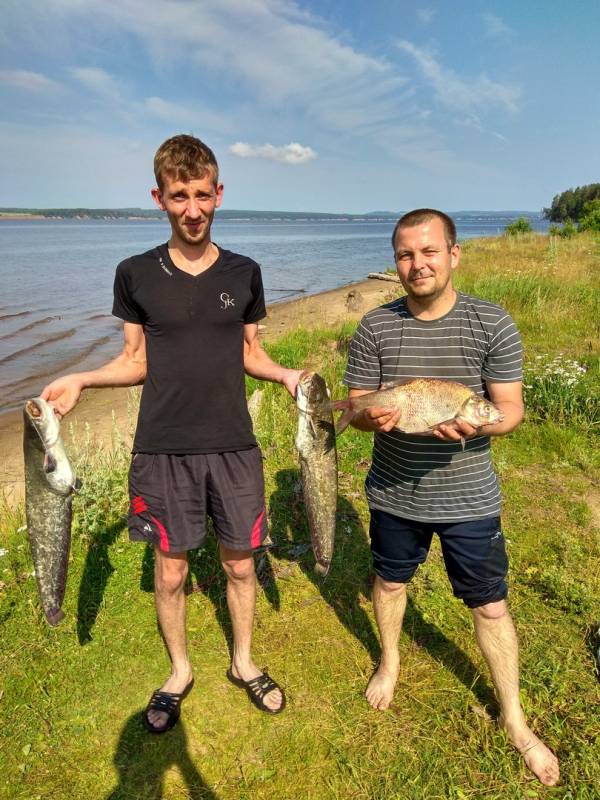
[
  {"x": 175, "y": 683},
  {"x": 537, "y": 757},
  {"x": 273, "y": 699},
  {"x": 380, "y": 689}
]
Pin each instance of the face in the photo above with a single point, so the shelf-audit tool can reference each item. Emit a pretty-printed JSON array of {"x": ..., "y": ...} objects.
[
  {"x": 424, "y": 262},
  {"x": 190, "y": 207}
]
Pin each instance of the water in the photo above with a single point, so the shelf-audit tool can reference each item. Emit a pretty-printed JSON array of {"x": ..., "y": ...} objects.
[{"x": 57, "y": 275}]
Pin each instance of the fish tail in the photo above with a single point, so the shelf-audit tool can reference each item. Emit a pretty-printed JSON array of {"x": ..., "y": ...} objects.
[
  {"x": 54, "y": 615},
  {"x": 344, "y": 420}
]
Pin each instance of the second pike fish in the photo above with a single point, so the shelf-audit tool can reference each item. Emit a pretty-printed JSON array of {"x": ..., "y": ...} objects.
[
  {"x": 424, "y": 403},
  {"x": 49, "y": 485},
  {"x": 315, "y": 442}
]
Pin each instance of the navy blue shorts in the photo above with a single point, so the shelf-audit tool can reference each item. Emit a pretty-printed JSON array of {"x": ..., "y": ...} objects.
[
  {"x": 171, "y": 497},
  {"x": 473, "y": 550}
]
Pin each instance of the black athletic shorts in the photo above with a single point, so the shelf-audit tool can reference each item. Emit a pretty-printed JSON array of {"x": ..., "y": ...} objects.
[
  {"x": 473, "y": 550},
  {"x": 171, "y": 497}
]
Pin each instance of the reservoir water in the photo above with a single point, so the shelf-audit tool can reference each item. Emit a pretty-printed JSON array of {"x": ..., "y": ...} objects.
[{"x": 57, "y": 275}]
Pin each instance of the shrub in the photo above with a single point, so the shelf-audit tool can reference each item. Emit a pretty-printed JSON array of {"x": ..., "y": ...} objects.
[
  {"x": 520, "y": 225},
  {"x": 569, "y": 229}
]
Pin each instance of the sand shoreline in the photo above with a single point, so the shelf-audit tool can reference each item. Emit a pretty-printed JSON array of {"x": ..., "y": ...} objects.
[{"x": 97, "y": 407}]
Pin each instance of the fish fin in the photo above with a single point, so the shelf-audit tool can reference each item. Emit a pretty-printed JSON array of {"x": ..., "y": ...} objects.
[
  {"x": 344, "y": 421},
  {"x": 311, "y": 423},
  {"x": 340, "y": 405},
  {"x": 49, "y": 463},
  {"x": 77, "y": 484}
]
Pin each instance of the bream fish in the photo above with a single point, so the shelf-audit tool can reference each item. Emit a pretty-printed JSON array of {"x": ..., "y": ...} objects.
[
  {"x": 424, "y": 403},
  {"x": 49, "y": 486},
  {"x": 315, "y": 442}
]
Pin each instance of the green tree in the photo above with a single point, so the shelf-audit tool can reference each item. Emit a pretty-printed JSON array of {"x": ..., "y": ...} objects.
[{"x": 590, "y": 221}]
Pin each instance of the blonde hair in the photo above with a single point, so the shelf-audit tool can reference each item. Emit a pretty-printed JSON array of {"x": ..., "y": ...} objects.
[{"x": 184, "y": 158}]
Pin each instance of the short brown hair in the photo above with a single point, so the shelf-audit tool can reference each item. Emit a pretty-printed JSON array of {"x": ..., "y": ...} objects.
[
  {"x": 421, "y": 215},
  {"x": 184, "y": 158}
]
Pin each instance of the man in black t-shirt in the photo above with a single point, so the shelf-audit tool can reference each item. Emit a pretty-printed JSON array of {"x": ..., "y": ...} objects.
[{"x": 190, "y": 311}]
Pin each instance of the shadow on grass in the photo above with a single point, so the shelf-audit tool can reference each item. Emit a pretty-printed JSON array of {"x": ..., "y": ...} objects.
[
  {"x": 430, "y": 638},
  {"x": 205, "y": 576},
  {"x": 348, "y": 576},
  {"x": 142, "y": 759},
  {"x": 96, "y": 574}
]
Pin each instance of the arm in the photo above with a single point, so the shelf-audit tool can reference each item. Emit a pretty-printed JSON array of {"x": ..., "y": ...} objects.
[
  {"x": 128, "y": 369},
  {"x": 257, "y": 363},
  {"x": 509, "y": 399}
]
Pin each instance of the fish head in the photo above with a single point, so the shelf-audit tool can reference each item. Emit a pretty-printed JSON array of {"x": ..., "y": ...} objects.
[
  {"x": 312, "y": 392},
  {"x": 478, "y": 411},
  {"x": 43, "y": 420},
  {"x": 56, "y": 467}
]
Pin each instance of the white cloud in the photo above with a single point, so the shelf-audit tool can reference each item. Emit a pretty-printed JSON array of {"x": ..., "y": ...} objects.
[
  {"x": 31, "y": 81},
  {"x": 458, "y": 94},
  {"x": 98, "y": 81},
  {"x": 425, "y": 15},
  {"x": 494, "y": 26},
  {"x": 292, "y": 153}
]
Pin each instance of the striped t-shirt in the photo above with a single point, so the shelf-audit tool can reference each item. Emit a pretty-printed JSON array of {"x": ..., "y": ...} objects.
[{"x": 421, "y": 477}]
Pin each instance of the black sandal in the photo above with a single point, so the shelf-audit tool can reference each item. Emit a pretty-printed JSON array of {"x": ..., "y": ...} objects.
[
  {"x": 258, "y": 688},
  {"x": 168, "y": 703}
]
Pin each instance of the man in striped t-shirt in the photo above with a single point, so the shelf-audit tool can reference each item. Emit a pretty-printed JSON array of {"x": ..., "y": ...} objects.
[{"x": 421, "y": 485}]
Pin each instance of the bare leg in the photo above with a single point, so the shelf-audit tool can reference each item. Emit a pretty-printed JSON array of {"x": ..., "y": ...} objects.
[
  {"x": 498, "y": 642},
  {"x": 170, "y": 571},
  {"x": 241, "y": 601},
  {"x": 389, "y": 604}
]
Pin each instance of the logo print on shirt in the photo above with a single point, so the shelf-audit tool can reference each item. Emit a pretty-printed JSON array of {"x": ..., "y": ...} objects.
[
  {"x": 226, "y": 301},
  {"x": 164, "y": 266}
]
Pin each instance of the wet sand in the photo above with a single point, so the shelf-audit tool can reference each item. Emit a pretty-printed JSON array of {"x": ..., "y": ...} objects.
[{"x": 98, "y": 407}]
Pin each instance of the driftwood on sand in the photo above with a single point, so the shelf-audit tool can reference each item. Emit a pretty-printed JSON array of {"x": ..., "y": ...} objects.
[{"x": 384, "y": 276}]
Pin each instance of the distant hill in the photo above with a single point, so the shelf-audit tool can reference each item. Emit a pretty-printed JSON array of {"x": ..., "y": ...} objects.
[
  {"x": 154, "y": 213},
  {"x": 231, "y": 214}
]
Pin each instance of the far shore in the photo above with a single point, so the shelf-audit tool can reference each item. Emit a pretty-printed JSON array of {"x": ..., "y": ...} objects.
[{"x": 99, "y": 407}]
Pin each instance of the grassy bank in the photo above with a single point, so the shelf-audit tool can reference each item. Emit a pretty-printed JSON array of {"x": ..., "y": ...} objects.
[{"x": 70, "y": 697}]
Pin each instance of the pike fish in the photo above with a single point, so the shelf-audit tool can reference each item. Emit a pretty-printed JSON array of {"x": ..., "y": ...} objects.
[
  {"x": 315, "y": 442},
  {"x": 424, "y": 403},
  {"x": 49, "y": 485}
]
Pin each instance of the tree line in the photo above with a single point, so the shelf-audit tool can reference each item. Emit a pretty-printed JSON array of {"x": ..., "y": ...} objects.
[{"x": 569, "y": 205}]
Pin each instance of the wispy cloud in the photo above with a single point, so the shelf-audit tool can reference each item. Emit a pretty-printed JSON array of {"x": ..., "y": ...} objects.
[
  {"x": 177, "y": 114},
  {"x": 457, "y": 93},
  {"x": 280, "y": 58},
  {"x": 30, "y": 81},
  {"x": 495, "y": 27},
  {"x": 292, "y": 153},
  {"x": 98, "y": 81},
  {"x": 425, "y": 15}
]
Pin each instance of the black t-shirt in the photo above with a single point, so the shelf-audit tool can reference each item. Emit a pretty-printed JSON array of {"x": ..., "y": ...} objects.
[{"x": 193, "y": 400}]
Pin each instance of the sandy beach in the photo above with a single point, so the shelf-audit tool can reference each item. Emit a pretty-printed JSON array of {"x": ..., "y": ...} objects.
[{"x": 98, "y": 407}]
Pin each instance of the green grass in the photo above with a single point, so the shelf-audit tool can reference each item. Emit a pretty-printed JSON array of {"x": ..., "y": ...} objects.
[{"x": 70, "y": 697}]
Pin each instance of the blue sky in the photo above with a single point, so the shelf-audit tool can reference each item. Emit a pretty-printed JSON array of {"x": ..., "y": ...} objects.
[{"x": 323, "y": 106}]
